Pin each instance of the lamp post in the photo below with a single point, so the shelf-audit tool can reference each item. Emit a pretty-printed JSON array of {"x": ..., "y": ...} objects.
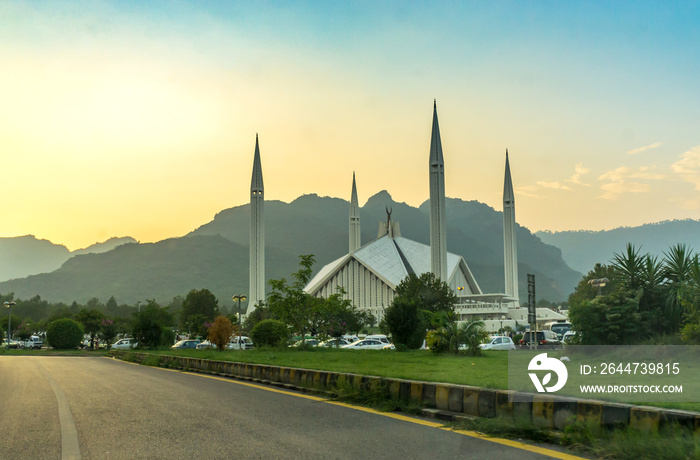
[
  {"x": 599, "y": 283},
  {"x": 500, "y": 331},
  {"x": 239, "y": 297},
  {"x": 138, "y": 306},
  {"x": 9, "y": 323}
]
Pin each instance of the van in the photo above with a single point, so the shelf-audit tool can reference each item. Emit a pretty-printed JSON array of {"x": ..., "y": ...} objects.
[{"x": 244, "y": 344}]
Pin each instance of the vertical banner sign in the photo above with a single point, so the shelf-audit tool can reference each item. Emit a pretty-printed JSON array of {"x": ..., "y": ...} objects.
[{"x": 531, "y": 309}]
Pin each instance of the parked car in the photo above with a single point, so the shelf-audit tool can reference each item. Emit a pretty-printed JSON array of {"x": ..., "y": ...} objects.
[
  {"x": 205, "y": 345},
  {"x": 12, "y": 343},
  {"x": 366, "y": 344},
  {"x": 334, "y": 343},
  {"x": 190, "y": 343},
  {"x": 244, "y": 344},
  {"x": 125, "y": 344},
  {"x": 544, "y": 338},
  {"x": 306, "y": 342},
  {"x": 569, "y": 336},
  {"x": 499, "y": 343},
  {"x": 381, "y": 337}
]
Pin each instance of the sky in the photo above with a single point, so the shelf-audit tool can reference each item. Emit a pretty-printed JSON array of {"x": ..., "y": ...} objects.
[{"x": 134, "y": 118}]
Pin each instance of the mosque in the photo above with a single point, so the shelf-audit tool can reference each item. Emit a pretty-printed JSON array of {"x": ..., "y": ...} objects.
[{"x": 369, "y": 274}]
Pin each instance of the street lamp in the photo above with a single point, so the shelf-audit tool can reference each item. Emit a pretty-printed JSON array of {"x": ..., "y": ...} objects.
[
  {"x": 503, "y": 318},
  {"x": 599, "y": 283},
  {"x": 9, "y": 323},
  {"x": 138, "y": 305},
  {"x": 239, "y": 297}
]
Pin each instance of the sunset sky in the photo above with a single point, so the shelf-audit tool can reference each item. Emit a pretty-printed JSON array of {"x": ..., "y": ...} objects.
[{"x": 122, "y": 118}]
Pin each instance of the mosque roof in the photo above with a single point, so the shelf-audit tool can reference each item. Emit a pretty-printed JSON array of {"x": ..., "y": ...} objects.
[{"x": 390, "y": 259}]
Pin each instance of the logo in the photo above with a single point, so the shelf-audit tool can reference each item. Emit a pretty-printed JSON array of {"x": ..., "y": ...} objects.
[{"x": 542, "y": 363}]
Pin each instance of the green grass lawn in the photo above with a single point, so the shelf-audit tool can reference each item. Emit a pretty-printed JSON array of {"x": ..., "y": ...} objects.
[{"x": 490, "y": 370}]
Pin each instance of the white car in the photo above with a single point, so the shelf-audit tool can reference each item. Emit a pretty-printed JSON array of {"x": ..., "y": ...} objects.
[
  {"x": 365, "y": 344},
  {"x": 245, "y": 343},
  {"x": 205, "y": 345},
  {"x": 569, "y": 336},
  {"x": 124, "y": 344},
  {"x": 381, "y": 337},
  {"x": 499, "y": 343}
]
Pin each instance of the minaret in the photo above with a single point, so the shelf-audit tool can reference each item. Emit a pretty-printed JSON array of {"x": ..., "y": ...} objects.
[
  {"x": 354, "y": 218},
  {"x": 438, "y": 230},
  {"x": 256, "y": 291},
  {"x": 510, "y": 250}
]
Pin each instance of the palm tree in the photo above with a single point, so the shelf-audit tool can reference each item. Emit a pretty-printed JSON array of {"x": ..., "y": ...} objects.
[
  {"x": 455, "y": 333},
  {"x": 678, "y": 268},
  {"x": 629, "y": 267}
]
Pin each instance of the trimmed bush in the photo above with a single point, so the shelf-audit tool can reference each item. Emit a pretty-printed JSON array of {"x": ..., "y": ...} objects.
[
  {"x": 269, "y": 332},
  {"x": 64, "y": 334}
]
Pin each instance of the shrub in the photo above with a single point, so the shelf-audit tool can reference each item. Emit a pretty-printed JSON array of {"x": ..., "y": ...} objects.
[
  {"x": 64, "y": 334},
  {"x": 269, "y": 332},
  {"x": 220, "y": 332},
  {"x": 403, "y": 320},
  {"x": 167, "y": 337}
]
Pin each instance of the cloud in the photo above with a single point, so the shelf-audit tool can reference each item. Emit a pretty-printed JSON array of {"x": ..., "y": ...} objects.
[
  {"x": 626, "y": 180},
  {"x": 688, "y": 167},
  {"x": 580, "y": 170},
  {"x": 644, "y": 149},
  {"x": 555, "y": 185},
  {"x": 529, "y": 191}
]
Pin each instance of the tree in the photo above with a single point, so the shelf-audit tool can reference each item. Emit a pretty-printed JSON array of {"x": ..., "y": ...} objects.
[
  {"x": 111, "y": 305},
  {"x": 418, "y": 301},
  {"x": 612, "y": 319},
  {"x": 150, "y": 324},
  {"x": 220, "y": 332},
  {"x": 290, "y": 303},
  {"x": 108, "y": 331},
  {"x": 16, "y": 322},
  {"x": 92, "y": 322},
  {"x": 269, "y": 332},
  {"x": 64, "y": 334},
  {"x": 260, "y": 313},
  {"x": 432, "y": 293},
  {"x": 404, "y": 322},
  {"x": 677, "y": 271},
  {"x": 24, "y": 332},
  {"x": 201, "y": 302},
  {"x": 584, "y": 291}
]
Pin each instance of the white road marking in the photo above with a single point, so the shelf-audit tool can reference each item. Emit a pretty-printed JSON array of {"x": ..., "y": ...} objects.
[{"x": 70, "y": 447}]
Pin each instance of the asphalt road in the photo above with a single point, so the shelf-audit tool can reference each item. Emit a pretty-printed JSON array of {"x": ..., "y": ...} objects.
[{"x": 99, "y": 408}]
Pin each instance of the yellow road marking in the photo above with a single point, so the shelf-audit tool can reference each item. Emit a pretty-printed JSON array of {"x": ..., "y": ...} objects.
[{"x": 417, "y": 421}]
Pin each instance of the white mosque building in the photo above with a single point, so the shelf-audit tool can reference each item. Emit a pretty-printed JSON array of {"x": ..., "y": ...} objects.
[{"x": 369, "y": 274}]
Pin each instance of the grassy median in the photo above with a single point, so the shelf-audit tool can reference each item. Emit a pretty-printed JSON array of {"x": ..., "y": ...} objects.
[{"x": 490, "y": 370}]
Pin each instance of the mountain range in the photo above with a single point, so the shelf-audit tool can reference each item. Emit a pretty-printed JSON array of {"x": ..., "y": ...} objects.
[
  {"x": 583, "y": 249},
  {"x": 215, "y": 255}
]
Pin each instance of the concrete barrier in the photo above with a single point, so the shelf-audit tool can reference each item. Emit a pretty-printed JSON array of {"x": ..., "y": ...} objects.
[{"x": 544, "y": 411}]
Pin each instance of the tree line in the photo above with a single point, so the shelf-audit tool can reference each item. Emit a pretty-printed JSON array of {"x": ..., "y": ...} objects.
[{"x": 646, "y": 299}]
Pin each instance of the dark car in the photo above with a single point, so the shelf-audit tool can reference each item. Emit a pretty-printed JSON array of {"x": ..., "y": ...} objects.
[
  {"x": 190, "y": 343},
  {"x": 543, "y": 338}
]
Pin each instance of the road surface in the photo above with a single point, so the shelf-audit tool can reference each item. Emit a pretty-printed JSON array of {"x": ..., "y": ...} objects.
[{"x": 100, "y": 408}]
